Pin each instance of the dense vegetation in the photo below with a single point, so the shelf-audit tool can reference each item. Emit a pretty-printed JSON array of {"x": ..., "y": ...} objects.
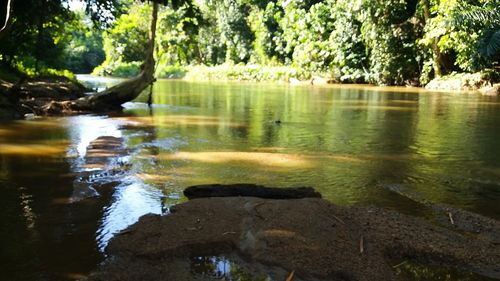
[
  {"x": 390, "y": 42},
  {"x": 44, "y": 37}
]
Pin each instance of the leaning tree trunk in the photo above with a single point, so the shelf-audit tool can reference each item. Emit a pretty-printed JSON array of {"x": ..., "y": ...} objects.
[
  {"x": 5, "y": 26},
  {"x": 115, "y": 96}
]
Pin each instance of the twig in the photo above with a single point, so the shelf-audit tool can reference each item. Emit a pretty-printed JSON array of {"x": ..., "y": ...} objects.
[
  {"x": 399, "y": 264},
  {"x": 361, "y": 245},
  {"x": 259, "y": 204},
  {"x": 257, "y": 213},
  {"x": 126, "y": 231},
  {"x": 290, "y": 277},
  {"x": 337, "y": 218},
  {"x": 229, "y": 232},
  {"x": 451, "y": 218}
]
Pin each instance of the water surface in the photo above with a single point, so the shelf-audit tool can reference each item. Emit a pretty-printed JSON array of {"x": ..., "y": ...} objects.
[{"x": 395, "y": 148}]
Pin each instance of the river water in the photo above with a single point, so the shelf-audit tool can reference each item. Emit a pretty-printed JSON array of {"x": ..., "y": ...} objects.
[{"x": 395, "y": 148}]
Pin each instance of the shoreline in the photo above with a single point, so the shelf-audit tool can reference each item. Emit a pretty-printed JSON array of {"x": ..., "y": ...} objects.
[{"x": 485, "y": 82}]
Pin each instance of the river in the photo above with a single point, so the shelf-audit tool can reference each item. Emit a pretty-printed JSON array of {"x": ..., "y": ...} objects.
[{"x": 396, "y": 148}]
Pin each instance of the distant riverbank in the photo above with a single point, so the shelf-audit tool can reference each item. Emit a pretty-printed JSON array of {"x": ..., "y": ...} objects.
[{"x": 486, "y": 81}]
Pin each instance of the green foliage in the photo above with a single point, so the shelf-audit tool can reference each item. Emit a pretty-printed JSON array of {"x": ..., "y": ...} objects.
[
  {"x": 234, "y": 31},
  {"x": 175, "y": 39},
  {"x": 118, "y": 69},
  {"x": 45, "y": 35},
  {"x": 485, "y": 20},
  {"x": 84, "y": 51},
  {"x": 36, "y": 35},
  {"x": 390, "y": 37},
  {"x": 172, "y": 71},
  {"x": 386, "y": 42},
  {"x": 127, "y": 39},
  {"x": 246, "y": 73},
  {"x": 349, "y": 60}
]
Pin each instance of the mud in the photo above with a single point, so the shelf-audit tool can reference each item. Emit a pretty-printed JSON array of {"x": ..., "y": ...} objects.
[{"x": 312, "y": 237}]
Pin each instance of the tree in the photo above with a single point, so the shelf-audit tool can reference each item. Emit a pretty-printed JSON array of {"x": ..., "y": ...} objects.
[
  {"x": 115, "y": 96},
  {"x": 485, "y": 20},
  {"x": 83, "y": 50}
]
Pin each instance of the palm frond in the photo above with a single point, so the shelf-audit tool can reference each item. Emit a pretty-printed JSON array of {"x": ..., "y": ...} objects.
[
  {"x": 491, "y": 44},
  {"x": 476, "y": 17}
]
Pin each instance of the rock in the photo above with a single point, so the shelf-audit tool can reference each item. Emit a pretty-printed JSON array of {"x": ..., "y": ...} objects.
[
  {"x": 459, "y": 82},
  {"x": 312, "y": 237},
  {"x": 101, "y": 165},
  {"x": 318, "y": 80},
  {"x": 491, "y": 91},
  {"x": 249, "y": 190},
  {"x": 294, "y": 81}
]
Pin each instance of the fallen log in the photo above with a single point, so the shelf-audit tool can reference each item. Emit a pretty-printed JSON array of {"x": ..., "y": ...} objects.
[{"x": 249, "y": 190}]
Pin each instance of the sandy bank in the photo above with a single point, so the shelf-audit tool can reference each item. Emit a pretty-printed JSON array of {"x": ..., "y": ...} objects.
[{"x": 314, "y": 238}]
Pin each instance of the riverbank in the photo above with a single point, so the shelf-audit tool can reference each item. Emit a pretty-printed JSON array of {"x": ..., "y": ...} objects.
[
  {"x": 311, "y": 237},
  {"x": 486, "y": 82},
  {"x": 30, "y": 95},
  {"x": 224, "y": 72}
]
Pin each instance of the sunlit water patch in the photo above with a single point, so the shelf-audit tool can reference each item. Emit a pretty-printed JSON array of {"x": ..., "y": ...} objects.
[{"x": 131, "y": 200}]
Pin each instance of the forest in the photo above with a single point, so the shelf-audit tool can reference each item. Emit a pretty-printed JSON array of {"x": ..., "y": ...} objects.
[{"x": 382, "y": 42}]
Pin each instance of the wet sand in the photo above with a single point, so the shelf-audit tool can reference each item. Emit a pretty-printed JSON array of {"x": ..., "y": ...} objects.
[{"x": 312, "y": 237}]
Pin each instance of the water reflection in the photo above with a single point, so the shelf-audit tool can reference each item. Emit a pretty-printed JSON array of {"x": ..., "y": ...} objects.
[
  {"x": 96, "y": 83},
  {"x": 131, "y": 200},
  {"x": 222, "y": 268}
]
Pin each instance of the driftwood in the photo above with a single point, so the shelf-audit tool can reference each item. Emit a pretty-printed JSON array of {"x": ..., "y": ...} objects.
[{"x": 249, "y": 190}]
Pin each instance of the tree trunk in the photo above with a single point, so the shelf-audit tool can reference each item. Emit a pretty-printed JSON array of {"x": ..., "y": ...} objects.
[
  {"x": 39, "y": 41},
  {"x": 114, "y": 97},
  {"x": 436, "y": 52},
  {"x": 5, "y": 26}
]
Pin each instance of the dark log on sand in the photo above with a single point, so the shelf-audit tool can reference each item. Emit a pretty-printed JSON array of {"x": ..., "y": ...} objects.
[
  {"x": 114, "y": 97},
  {"x": 249, "y": 190}
]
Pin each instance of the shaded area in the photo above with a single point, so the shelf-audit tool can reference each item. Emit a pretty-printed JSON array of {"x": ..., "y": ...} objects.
[{"x": 249, "y": 190}]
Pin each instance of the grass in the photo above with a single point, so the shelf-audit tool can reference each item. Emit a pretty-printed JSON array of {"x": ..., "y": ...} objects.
[
  {"x": 234, "y": 72},
  {"x": 222, "y": 72},
  {"x": 13, "y": 75}
]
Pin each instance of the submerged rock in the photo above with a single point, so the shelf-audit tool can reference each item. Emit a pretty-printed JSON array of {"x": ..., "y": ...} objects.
[
  {"x": 312, "y": 237},
  {"x": 100, "y": 165}
]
